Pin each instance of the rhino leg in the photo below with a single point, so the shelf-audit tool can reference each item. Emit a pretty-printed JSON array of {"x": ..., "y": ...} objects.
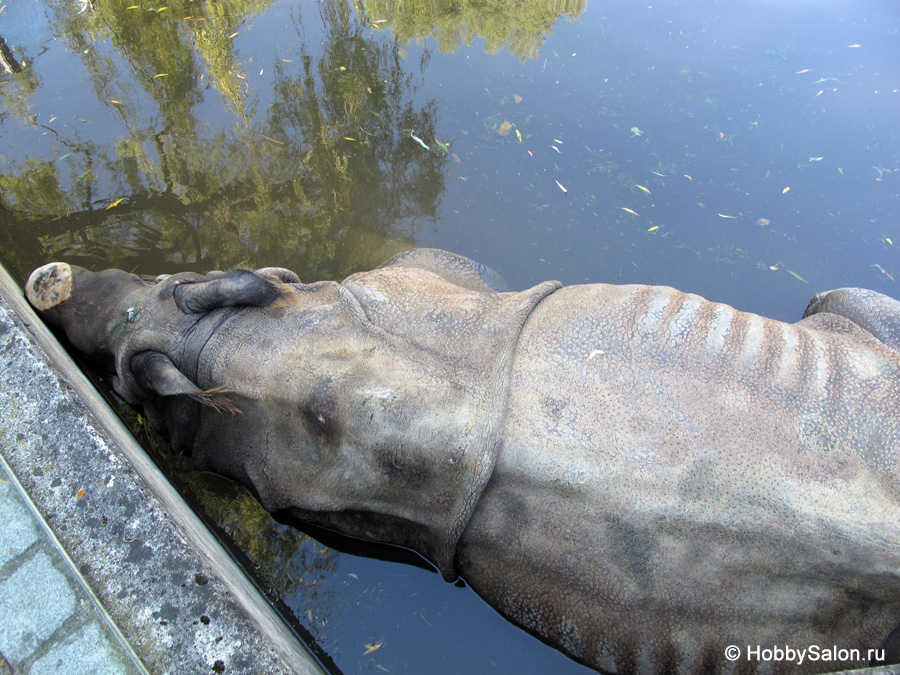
[
  {"x": 454, "y": 268},
  {"x": 238, "y": 287},
  {"x": 870, "y": 310}
]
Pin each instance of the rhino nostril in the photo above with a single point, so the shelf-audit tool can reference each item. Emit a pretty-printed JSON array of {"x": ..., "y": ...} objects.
[{"x": 49, "y": 285}]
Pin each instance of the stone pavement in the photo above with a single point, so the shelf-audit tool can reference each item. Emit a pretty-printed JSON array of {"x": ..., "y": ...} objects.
[
  {"x": 50, "y": 621},
  {"x": 103, "y": 567}
]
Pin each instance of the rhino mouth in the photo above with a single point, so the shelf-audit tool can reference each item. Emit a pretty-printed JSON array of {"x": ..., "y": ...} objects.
[{"x": 49, "y": 285}]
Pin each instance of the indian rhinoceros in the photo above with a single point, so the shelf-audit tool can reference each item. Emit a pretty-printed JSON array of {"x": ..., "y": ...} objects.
[{"x": 648, "y": 481}]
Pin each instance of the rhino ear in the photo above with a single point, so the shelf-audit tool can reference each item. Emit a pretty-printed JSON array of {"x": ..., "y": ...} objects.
[
  {"x": 279, "y": 273},
  {"x": 156, "y": 373},
  {"x": 238, "y": 287}
]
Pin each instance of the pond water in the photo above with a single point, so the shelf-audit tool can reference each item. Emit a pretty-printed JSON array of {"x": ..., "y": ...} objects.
[{"x": 749, "y": 152}]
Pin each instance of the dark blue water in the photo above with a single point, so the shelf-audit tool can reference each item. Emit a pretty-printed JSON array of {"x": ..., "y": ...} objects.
[{"x": 757, "y": 144}]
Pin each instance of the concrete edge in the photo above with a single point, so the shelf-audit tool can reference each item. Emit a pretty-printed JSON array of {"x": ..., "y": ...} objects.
[{"x": 206, "y": 547}]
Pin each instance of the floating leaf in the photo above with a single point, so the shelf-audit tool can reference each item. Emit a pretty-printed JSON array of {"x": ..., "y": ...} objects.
[
  {"x": 115, "y": 203},
  {"x": 561, "y": 187},
  {"x": 688, "y": 177},
  {"x": 883, "y": 271},
  {"x": 636, "y": 132},
  {"x": 160, "y": 75},
  {"x": 80, "y": 493},
  {"x": 418, "y": 140},
  {"x": 653, "y": 229},
  {"x": 795, "y": 275},
  {"x": 627, "y": 210},
  {"x": 518, "y": 135},
  {"x": 372, "y": 646},
  {"x": 854, "y": 46},
  {"x": 723, "y": 215},
  {"x": 641, "y": 187},
  {"x": 786, "y": 190},
  {"x": 800, "y": 72}
]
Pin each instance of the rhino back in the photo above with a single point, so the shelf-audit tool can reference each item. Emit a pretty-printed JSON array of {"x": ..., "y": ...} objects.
[{"x": 681, "y": 476}]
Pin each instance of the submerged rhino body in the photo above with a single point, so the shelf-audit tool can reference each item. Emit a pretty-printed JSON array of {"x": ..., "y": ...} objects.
[{"x": 639, "y": 476}]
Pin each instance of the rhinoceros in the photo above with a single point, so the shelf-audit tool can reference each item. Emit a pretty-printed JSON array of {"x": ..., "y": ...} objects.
[{"x": 646, "y": 480}]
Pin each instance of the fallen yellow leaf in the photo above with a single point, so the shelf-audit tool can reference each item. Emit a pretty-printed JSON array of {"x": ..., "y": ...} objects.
[
  {"x": 786, "y": 190},
  {"x": 372, "y": 646}
]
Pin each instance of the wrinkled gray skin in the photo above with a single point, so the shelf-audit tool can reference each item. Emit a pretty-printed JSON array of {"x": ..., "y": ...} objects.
[{"x": 637, "y": 475}]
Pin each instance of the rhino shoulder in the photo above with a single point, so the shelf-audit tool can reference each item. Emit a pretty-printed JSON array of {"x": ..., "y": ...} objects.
[{"x": 454, "y": 268}]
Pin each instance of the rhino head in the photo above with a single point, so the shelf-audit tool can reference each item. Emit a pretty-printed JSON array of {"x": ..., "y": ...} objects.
[
  {"x": 316, "y": 396},
  {"x": 127, "y": 325}
]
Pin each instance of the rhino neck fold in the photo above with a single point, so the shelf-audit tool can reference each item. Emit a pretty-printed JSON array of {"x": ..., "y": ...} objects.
[{"x": 473, "y": 337}]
